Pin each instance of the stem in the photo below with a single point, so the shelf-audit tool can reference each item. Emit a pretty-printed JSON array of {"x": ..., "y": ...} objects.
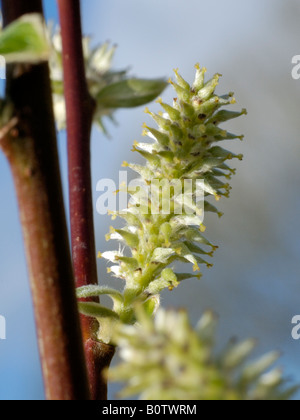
[
  {"x": 80, "y": 108},
  {"x": 31, "y": 150}
]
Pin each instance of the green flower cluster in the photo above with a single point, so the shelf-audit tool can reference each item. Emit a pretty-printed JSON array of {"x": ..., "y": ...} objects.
[
  {"x": 166, "y": 359},
  {"x": 164, "y": 217},
  {"x": 110, "y": 89}
]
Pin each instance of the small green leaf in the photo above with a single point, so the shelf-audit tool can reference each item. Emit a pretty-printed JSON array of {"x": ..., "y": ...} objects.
[
  {"x": 94, "y": 290},
  {"x": 130, "y": 93},
  {"x": 25, "y": 40},
  {"x": 254, "y": 370},
  {"x": 130, "y": 262},
  {"x": 238, "y": 354},
  {"x": 162, "y": 255},
  {"x": 162, "y": 138},
  {"x": 207, "y": 328},
  {"x": 96, "y": 310},
  {"x": 187, "y": 276},
  {"x": 106, "y": 318},
  {"x": 131, "y": 239},
  {"x": 151, "y": 305},
  {"x": 169, "y": 276},
  {"x": 225, "y": 115}
]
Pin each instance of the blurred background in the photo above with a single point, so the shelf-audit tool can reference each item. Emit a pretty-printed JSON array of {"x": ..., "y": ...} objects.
[{"x": 254, "y": 285}]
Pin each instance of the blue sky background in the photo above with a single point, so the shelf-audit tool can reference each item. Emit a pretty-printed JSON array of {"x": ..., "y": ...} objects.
[{"x": 255, "y": 283}]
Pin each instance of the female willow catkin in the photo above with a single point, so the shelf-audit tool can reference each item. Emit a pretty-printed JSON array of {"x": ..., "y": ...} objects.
[
  {"x": 184, "y": 147},
  {"x": 166, "y": 359}
]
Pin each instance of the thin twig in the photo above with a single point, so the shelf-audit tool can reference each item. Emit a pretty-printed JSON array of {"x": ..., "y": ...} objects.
[
  {"x": 31, "y": 150},
  {"x": 80, "y": 108}
]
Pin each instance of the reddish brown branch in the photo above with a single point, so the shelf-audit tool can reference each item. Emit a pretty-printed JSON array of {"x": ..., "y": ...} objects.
[
  {"x": 31, "y": 150},
  {"x": 80, "y": 108}
]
